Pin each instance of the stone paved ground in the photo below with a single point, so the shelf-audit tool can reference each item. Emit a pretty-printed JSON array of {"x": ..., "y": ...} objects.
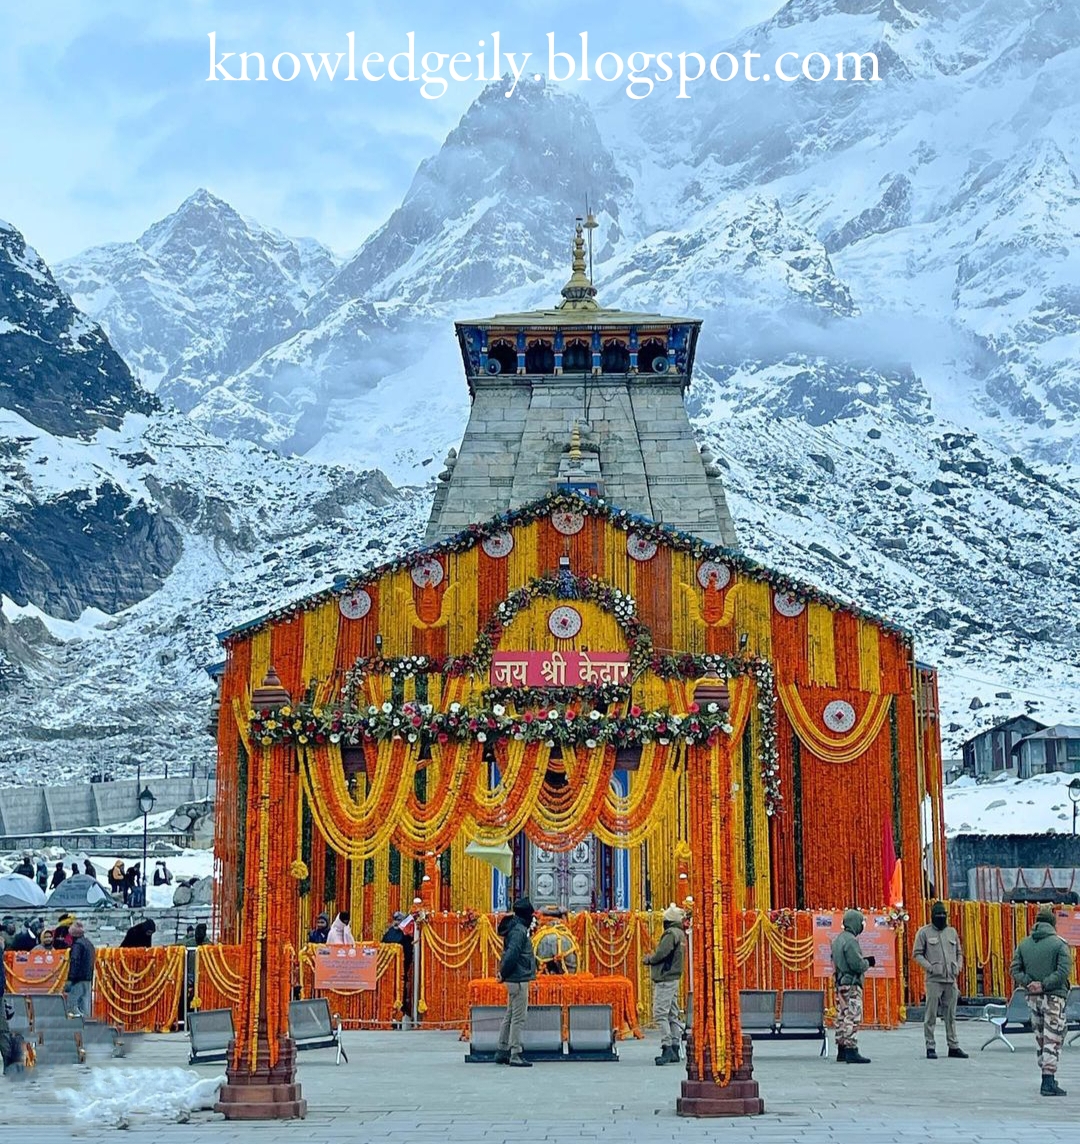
[{"x": 414, "y": 1087}]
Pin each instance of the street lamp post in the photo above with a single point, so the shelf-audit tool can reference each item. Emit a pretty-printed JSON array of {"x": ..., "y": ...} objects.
[
  {"x": 146, "y": 804},
  {"x": 1074, "y": 794}
]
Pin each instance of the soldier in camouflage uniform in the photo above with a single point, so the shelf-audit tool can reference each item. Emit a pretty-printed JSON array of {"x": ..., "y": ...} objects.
[
  {"x": 1042, "y": 965},
  {"x": 849, "y": 969}
]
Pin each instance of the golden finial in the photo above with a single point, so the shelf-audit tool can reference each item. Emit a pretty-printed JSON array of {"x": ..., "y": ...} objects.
[
  {"x": 578, "y": 293},
  {"x": 575, "y": 442}
]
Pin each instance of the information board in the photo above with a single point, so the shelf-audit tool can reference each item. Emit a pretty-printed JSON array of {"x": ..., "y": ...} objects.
[
  {"x": 36, "y": 970},
  {"x": 878, "y": 940},
  {"x": 1068, "y": 924},
  {"x": 346, "y": 968}
]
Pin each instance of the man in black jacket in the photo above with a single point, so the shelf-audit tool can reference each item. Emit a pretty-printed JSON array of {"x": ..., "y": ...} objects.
[
  {"x": 80, "y": 972},
  {"x": 516, "y": 969}
]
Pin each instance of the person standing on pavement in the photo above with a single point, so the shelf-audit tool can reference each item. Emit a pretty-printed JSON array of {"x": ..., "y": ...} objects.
[
  {"x": 80, "y": 977},
  {"x": 849, "y": 969},
  {"x": 937, "y": 950},
  {"x": 666, "y": 964},
  {"x": 516, "y": 969},
  {"x": 1042, "y": 964}
]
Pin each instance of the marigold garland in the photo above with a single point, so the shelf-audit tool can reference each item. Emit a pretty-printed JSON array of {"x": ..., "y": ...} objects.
[{"x": 139, "y": 989}]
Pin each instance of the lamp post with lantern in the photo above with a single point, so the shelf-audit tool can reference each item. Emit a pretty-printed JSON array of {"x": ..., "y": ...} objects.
[
  {"x": 146, "y": 804},
  {"x": 1074, "y": 796}
]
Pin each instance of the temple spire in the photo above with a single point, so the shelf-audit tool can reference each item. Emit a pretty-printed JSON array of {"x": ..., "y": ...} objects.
[{"x": 579, "y": 293}]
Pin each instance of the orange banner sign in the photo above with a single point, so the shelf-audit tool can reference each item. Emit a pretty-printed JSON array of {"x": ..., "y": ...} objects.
[
  {"x": 38, "y": 970},
  {"x": 346, "y": 968},
  {"x": 878, "y": 940}
]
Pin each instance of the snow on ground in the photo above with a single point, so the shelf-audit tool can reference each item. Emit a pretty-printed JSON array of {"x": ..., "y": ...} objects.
[
  {"x": 120, "y": 1096},
  {"x": 1039, "y": 805},
  {"x": 185, "y": 864}
]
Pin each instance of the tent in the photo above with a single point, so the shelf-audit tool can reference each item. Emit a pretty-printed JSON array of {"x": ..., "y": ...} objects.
[
  {"x": 79, "y": 891},
  {"x": 19, "y": 892}
]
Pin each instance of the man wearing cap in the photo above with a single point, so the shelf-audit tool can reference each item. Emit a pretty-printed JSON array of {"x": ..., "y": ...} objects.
[
  {"x": 516, "y": 969},
  {"x": 26, "y": 866},
  {"x": 1042, "y": 964},
  {"x": 321, "y": 931},
  {"x": 666, "y": 969},
  {"x": 937, "y": 950}
]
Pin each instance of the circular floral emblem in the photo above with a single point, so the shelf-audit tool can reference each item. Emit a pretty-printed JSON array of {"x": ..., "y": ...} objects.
[
  {"x": 499, "y": 545},
  {"x": 355, "y": 605},
  {"x": 788, "y": 604},
  {"x": 567, "y": 523},
  {"x": 564, "y": 622},
  {"x": 640, "y": 547},
  {"x": 839, "y": 716},
  {"x": 713, "y": 574},
  {"x": 429, "y": 574}
]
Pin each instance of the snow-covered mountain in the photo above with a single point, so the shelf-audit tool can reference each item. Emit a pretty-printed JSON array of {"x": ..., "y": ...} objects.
[
  {"x": 889, "y": 367},
  {"x": 128, "y": 537},
  {"x": 198, "y": 296}
]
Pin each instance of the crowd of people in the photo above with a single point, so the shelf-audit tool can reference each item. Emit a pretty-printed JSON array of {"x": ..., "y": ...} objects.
[{"x": 127, "y": 884}]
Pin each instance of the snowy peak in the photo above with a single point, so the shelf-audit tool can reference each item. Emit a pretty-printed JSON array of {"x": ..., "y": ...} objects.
[
  {"x": 200, "y": 295},
  {"x": 492, "y": 211},
  {"x": 57, "y": 368}
]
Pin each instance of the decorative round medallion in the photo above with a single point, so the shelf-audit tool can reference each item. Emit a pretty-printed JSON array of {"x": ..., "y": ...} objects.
[
  {"x": 564, "y": 622},
  {"x": 355, "y": 605},
  {"x": 567, "y": 523},
  {"x": 640, "y": 547},
  {"x": 498, "y": 545},
  {"x": 428, "y": 575},
  {"x": 839, "y": 716},
  {"x": 788, "y": 604},
  {"x": 713, "y": 574}
]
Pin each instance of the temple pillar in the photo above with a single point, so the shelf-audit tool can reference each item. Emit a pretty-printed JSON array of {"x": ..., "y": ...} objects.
[
  {"x": 719, "y": 1073},
  {"x": 261, "y": 1073}
]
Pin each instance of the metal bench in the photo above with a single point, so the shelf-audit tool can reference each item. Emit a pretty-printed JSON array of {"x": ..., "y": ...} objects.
[
  {"x": 47, "y": 1007},
  {"x": 101, "y": 1040},
  {"x": 21, "y": 1021},
  {"x": 1072, "y": 1014},
  {"x": 542, "y": 1039},
  {"x": 485, "y": 1022},
  {"x": 311, "y": 1027},
  {"x": 589, "y": 1033},
  {"x": 802, "y": 1017},
  {"x": 211, "y": 1033},
  {"x": 59, "y": 1039},
  {"x": 757, "y": 1012},
  {"x": 1016, "y": 1016}
]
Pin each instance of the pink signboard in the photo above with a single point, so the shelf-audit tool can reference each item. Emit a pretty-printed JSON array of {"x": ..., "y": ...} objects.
[{"x": 558, "y": 669}]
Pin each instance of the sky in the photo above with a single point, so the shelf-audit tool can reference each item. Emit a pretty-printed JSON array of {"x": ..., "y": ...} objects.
[{"x": 110, "y": 122}]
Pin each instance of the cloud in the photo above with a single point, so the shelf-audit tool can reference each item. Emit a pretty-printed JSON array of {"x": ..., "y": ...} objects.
[{"x": 116, "y": 124}]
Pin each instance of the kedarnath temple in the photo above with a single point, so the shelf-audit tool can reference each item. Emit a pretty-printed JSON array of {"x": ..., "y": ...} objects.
[{"x": 583, "y": 690}]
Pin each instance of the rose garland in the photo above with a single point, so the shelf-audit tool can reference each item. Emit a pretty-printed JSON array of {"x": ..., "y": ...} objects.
[{"x": 563, "y": 723}]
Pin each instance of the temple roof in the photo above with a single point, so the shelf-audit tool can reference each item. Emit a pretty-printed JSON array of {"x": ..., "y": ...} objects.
[{"x": 526, "y": 514}]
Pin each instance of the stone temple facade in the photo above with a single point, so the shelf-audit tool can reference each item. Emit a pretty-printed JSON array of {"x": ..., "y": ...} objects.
[{"x": 581, "y": 397}]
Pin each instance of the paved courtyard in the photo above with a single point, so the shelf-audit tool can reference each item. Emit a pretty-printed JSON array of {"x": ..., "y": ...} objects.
[{"x": 415, "y": 1087}]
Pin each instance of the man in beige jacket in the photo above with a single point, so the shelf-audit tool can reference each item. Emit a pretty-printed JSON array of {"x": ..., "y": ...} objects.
[{"x": 937, "y": 950}]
